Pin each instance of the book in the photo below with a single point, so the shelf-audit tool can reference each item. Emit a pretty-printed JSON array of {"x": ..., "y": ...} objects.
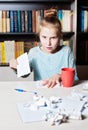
[
  {"x": 0, "y": 52},
  {"x": 59, "y": 14},
  {"x": 23, "y": 20},
  {"x": 28, "y": 45},
  {"x": 19, "y": 20},
  {"x": 33, "y": 20},
  {"x": 19, "y": 48},
  {"x": 66, "y": 21},
  {"x": 0, "y": 20},
  {"x": 82, "y": 21},
  {"x": 38, "y": 19},
  {"x": 4, "y": 21},
  {"x": 15, "y": 21},
  {"x": 9, "y": 50},
  {"x": 85, "y": 20},
  {"x": 26, "y": 21},
  {"x": 16, "y": 49},
  {"x": 30, "y": 21},
  {"x": 8, "y": 21},
  {"x": 12, "y": 21},
  {"x": 3, "y": 53}
]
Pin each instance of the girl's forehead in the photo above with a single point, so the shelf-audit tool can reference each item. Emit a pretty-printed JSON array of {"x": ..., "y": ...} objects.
[{"x": 48, "y": 30}]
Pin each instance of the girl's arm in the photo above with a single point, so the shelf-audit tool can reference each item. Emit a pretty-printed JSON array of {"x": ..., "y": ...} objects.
[{"x": 13, "y": 64}]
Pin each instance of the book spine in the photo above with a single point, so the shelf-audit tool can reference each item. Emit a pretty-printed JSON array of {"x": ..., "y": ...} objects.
[
  {"x": 12, "y": 21},
  {"x": 16, "y": 49},
  {"x": 34, "y": 20},
  {"x": 59, "y": 14},
  {"x": 30, "y": 21},
  {"x": 85, "y": 20},
  {"x": 82, "y": 20},
  {"x": 15, "y": 21},
  {"x": 19, "y": 20},
  {"x": 8, "y": 21},
  {"x": 23, "y": 20},
  {"x": 9, "y": 50},
  {"x": 71, "y": 20},
  {"x": 3, "y": 55},
  {"x": 0, "y": 20},
  {"x": 0, "y": 52},
  {"x": 26, "y": 21},
  {"x": 4, "y": 21}
]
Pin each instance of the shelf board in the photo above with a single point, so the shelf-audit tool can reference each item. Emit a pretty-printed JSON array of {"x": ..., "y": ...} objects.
[
  {"x": 17, "y": 36},
  {"x": 4, "y": 64},
  {"x": 22, "y": 1},
  {"x": 17, "y": 33},
  {"x": 25, "y": 36}
]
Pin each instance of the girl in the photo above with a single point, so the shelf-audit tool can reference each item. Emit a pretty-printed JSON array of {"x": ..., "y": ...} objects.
[{"x": 47, "y": 59}]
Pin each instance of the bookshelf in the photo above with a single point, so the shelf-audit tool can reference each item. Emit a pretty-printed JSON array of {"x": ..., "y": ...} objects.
[
  {"x": 20, "y": 5},
  {"x": 82, "y": 32},
  {"x": 26, "y": 5},
  {"x": 82, "y": 39}
]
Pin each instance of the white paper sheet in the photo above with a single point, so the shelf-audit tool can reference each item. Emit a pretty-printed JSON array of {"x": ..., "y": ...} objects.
[
  {"x": 30, "y": 116},
  {"x": 23, "y": 67}
]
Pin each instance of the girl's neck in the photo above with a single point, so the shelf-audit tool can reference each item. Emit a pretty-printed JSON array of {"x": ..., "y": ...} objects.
[{"x": 57, "y": 49}]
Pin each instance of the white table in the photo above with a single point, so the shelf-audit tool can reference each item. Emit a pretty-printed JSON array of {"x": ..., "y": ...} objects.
[{"x": 9, "y": 115}]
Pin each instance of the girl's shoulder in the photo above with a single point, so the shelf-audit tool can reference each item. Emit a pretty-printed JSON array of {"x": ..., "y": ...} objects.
[
  {"x": 32, "y": 52},
  {"x": 66, "y": 48},
  {"x": 34, "y": 49}
]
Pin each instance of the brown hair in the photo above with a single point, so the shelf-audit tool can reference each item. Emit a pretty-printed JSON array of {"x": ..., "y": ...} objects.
[{"x": 51, "y": 20}]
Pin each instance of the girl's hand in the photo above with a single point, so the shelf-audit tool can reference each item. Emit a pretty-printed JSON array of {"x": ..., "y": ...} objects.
[
  {"x": 13, "y": 63},
  {"x": 51, "y": 82}
]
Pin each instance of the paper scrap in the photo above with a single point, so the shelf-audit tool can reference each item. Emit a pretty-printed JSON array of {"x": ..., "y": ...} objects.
[{"x": 23, "y": 67}]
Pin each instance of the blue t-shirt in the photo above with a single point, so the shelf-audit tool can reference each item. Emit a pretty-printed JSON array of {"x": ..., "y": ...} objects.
[{"x": 46, "y": 65}]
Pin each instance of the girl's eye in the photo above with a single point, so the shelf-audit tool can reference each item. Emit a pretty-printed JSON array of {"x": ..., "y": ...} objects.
[
  {"x": 55, "y": 37},
  {"x": 44, "y": 36}
]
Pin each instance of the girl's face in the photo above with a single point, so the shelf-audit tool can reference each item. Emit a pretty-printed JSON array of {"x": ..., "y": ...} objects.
[{"x": 49, "y": 39}]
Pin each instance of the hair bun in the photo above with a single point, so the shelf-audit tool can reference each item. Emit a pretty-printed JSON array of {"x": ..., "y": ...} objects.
[{"x": 51, "y": 12}]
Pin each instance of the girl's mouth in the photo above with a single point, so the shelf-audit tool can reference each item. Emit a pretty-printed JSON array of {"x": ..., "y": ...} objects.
[{"x": 49, "y": 48}]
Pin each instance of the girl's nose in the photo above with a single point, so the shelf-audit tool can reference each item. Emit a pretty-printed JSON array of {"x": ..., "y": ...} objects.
[{"x": 48, "y": 42}]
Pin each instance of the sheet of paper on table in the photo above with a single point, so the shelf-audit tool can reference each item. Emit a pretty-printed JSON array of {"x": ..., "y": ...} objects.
[
  {"x": 30, "y": 116},
  {"x": 68, "y": 106}
]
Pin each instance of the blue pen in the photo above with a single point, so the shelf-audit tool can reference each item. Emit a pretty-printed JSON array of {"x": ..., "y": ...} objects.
[{"x": 22, "y": 90}]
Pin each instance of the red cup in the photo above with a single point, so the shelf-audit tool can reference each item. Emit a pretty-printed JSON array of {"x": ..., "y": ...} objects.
[{"x": 67, "y": 75}]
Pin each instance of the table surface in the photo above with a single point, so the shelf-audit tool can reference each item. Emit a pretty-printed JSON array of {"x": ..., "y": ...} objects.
[{"x": 9, "y": 115}]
